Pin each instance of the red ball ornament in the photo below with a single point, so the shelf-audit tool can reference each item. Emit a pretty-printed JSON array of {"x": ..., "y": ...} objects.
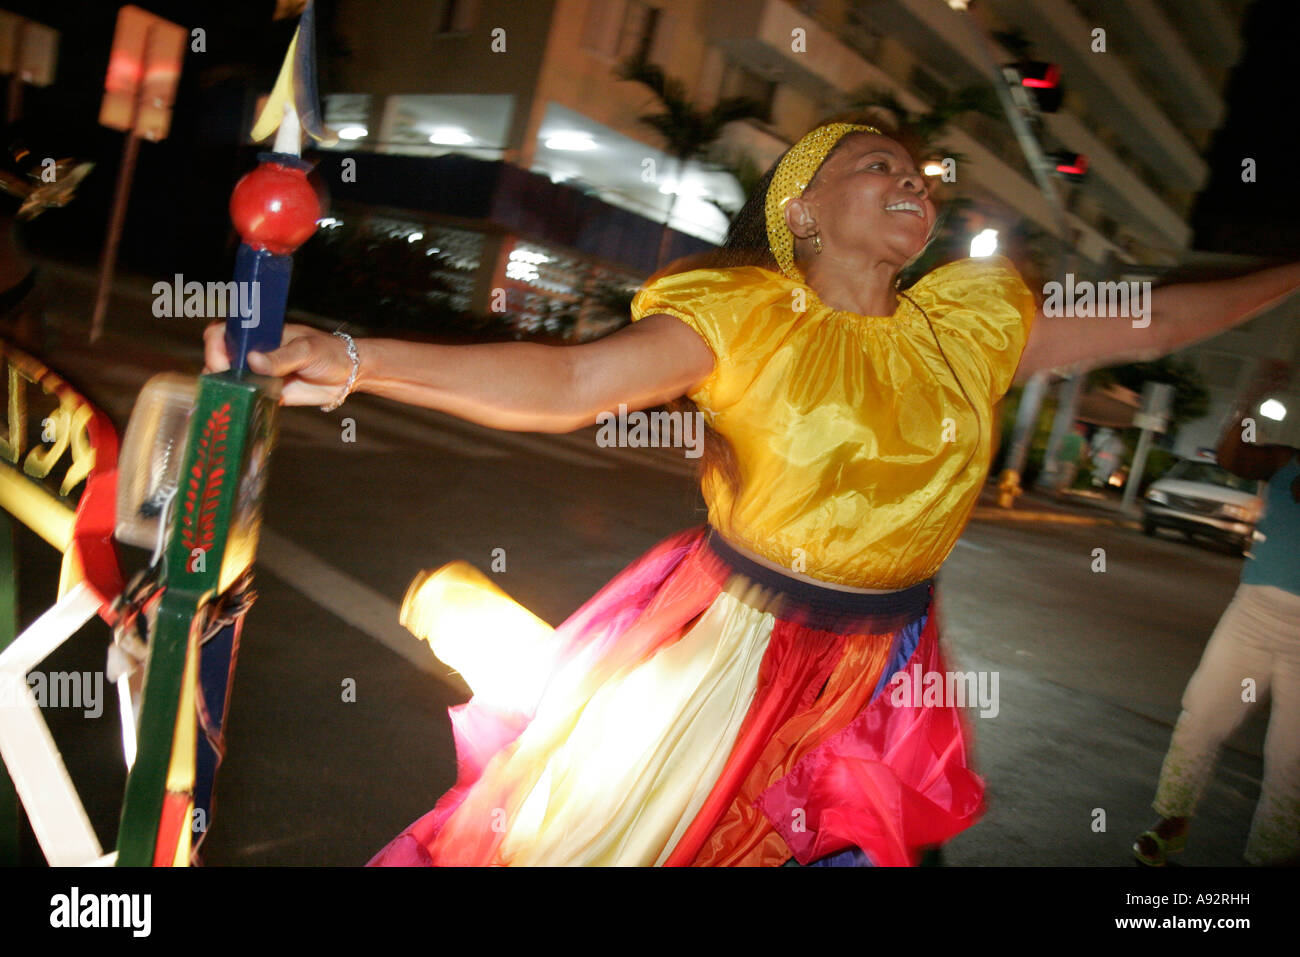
[{"x": 275, "y": 208}]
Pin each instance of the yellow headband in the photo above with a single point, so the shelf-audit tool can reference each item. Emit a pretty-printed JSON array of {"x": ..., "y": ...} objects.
[{"x": 791, "y": 178}]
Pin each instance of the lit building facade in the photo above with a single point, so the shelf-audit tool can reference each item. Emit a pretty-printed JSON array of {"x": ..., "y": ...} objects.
[{"x": 533, "y": 86}]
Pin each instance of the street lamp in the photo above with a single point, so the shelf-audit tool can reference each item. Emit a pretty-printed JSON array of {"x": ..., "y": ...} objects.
[
  {"x": 1273, "y": 409},
  {"x": 450, "y": 136},
  {"x": 570, "y": 140},
  {"x": 984, "y": 243},
  {"x": 687, "y": 190}
]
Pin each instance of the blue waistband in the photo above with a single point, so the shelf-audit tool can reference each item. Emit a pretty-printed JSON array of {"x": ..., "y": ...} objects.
[{"x": 818, "y": 606}]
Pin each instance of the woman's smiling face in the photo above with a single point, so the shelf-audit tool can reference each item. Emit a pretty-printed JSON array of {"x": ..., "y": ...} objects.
[{"x": 868, "y": 199}]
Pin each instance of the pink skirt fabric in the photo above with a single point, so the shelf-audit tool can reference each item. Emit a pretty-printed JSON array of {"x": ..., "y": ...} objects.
[{"x": 760, "y": 723}]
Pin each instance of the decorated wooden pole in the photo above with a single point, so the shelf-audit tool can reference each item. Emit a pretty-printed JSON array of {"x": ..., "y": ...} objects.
[{"x": 217, "y": 509}]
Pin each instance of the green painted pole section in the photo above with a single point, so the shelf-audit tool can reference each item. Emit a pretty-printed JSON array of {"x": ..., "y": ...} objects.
[
  {"x": 205, "y": 509},
  {"x": 10, "y": 821}
]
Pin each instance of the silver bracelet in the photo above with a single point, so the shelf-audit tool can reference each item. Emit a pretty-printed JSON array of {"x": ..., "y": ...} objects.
[{"x": 352, "y": 377}]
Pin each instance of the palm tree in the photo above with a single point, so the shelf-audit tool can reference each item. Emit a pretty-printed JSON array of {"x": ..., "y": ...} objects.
[
  {"x": 929, "y": 125},
  {"x": 747, "y": 174},
  {"x": 687, "y": 130}
]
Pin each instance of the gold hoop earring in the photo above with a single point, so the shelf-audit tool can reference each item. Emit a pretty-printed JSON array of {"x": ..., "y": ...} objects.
[{"x": 817, "y": 242}]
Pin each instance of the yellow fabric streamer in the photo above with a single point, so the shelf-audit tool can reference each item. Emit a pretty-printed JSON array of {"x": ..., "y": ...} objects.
[{"x": 268, "y": 121}]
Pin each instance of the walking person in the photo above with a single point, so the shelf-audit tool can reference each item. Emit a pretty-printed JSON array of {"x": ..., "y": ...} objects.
[
  {"x": 1254, "y": 653},
  {"x": 1107, "y": 450},
  {"x": 1074, "y": 448}
]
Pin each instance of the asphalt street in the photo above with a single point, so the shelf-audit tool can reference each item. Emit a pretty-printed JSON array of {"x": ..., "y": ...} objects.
[{"x": 1091, "y": 664}]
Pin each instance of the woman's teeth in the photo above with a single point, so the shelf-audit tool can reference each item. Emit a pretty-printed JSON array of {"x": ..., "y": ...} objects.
[{"x": 906, "y": 207}]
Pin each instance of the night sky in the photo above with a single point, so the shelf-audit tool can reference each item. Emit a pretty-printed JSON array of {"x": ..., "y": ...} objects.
[
  {"x": 1261, "y": 217},
  {"x": 177, "y": 218}
]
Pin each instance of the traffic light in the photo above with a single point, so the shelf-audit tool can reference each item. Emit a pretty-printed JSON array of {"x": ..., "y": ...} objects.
[
  {"x": 1041, "y": 83},
  {"x": 1073, "y": 166},
  {"x": 1035, "y": 88}
]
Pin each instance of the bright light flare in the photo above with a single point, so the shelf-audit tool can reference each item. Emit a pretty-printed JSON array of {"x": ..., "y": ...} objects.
[
  {"x": 984, "y": 243},
  {"x": 126, "y": 712},
  {"x": 501, "y": 649},
  {"x": 450, "y": 136},
  {"x": 686, "y": 190},
  {"x": 353, "y": 133},
  {"x": 1273, "y": 409},
  {"x": 570, "y": 140}
]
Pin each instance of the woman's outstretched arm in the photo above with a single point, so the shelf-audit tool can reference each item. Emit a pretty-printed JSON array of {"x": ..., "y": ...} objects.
[
  {"x": 519, "y": 386},
  {"x": 1180, "y": 314}
]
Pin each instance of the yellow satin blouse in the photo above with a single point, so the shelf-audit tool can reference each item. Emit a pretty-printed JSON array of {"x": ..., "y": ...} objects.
[{"x": 861, "y": 451}]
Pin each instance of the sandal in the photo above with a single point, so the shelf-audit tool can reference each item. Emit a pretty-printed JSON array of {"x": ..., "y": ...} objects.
[{"x": 1164, "y": 847}]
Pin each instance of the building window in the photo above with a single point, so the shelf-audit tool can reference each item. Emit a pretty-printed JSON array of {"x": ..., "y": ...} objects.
[
  {"x": 619, "y": 29},
  {"x": 457, "y": 16},
  {"x": 349, "y": 115},
  {"x": 638, "y": 34}
]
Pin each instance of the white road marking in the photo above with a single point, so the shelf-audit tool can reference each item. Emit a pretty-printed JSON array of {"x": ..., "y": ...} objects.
[{"x": 351, "y": 601}]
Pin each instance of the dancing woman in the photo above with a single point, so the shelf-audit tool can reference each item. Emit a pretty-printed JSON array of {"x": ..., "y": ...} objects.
[{"x": 726, "y": 699}]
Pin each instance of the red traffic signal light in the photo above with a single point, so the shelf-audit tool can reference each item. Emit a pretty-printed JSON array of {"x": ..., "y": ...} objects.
[
  {"x": 1039, "y": 76},
  {"x": 1041, "y": 82},
  {"x": 1070, "y": 165}
]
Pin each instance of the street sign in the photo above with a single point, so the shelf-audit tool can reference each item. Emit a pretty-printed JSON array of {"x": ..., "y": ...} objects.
[
  {"x": 1158, "y": 398},
  {"x": 144, "y": 68},
  {"x": 27, "y": 49},
  {"x": 1144, "y": 420},
  {"x": 1157, "y": 407}
]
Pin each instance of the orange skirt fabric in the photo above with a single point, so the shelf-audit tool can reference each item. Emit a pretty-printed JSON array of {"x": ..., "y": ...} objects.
[{"x": 702, "y": 710}]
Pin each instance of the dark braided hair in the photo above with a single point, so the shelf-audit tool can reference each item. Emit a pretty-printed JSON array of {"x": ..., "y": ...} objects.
[{"x": 745, "y": 245}]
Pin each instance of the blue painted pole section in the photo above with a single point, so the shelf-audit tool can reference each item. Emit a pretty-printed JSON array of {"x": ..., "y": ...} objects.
[
  {"x": 216, "y": 671},
  {"x": 263, "y": 282}
]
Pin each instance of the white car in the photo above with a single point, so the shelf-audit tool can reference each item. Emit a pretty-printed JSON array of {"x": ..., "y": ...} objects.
[{"x": 1202, "y": 499}]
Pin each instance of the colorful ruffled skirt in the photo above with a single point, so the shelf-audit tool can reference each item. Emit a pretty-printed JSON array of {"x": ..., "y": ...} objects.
[{"x": 705, "y": 710}]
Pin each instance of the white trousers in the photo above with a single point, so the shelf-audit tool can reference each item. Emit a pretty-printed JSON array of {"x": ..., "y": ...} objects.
[{"x": 1254, "y": 652}]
